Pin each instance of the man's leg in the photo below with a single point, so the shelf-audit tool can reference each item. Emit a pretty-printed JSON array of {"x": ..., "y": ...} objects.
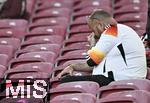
[{"x": 100, "y": 79}]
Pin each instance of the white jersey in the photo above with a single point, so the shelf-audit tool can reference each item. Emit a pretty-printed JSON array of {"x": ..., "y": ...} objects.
[{"x": 122, "y": 52}]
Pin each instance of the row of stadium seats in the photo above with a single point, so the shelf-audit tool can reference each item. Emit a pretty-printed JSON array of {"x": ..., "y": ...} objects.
[
  {"x": 126, "y": 91},
  {"x": 54, "y": 36}
]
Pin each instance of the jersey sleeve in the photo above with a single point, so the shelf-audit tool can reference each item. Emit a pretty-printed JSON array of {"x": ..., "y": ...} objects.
[{"x": 106, "y": 42}]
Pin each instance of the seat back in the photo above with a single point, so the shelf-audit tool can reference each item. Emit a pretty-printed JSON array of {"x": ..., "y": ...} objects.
[
  {"x": 80, "y": 97},
  {"x": 124, "y": 85},
  {"x": 88, "y": 86},
  {"x": 136, "y": 96}
]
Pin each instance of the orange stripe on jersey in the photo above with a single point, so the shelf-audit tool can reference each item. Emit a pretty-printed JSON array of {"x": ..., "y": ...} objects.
[
  {"x": 111, "y": 31},
  {"x": 96, "y": 55}
]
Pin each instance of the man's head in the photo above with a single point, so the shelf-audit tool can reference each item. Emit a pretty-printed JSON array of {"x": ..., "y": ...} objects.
[{"x": 99, "y": 20}]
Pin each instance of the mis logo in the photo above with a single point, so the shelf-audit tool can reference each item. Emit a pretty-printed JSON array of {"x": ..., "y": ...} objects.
[{"x": 24, "y": 89}]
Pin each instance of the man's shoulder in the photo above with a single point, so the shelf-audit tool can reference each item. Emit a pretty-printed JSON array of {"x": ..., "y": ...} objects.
[
  {"x": 123, "y": 26},
  {"x": 112, "y": 30}
]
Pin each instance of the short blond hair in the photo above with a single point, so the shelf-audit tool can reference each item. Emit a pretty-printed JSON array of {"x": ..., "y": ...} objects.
[{"x": 100, "y": 14}]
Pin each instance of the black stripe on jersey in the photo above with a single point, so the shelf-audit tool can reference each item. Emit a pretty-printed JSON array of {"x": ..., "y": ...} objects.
[
  {"x": 104, "y": 68},
  {"x": 90, "y": 62},
  {"x": 120, "y": 47}
]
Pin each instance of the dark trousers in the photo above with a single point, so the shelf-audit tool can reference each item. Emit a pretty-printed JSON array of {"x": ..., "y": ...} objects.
[
  {"x": 100, "y": 79},
  {"x": 148, "y": 21}
]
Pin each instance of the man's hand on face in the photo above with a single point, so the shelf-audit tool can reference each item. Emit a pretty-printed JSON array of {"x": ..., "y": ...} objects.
[{"x": 91, "y": 39}]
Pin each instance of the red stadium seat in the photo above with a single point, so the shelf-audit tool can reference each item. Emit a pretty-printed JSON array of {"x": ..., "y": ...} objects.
[
  {"x": 131, "y": 17},
  {"x": 52, "y": 5},
  {"x": 54, "y": 82},
  {"x": 76, "y": 46},
  {"x": 80, "y": 97},
  {"x": 130, "y": 9},
  {"x": 25, "y": 73},
  {"x": 95, "y": 3},
  {"x": 75, "y": 52},
  {"x": 127, "y": 97},
  {"x": 72, "y": 62},
  {"x": 64, "y": 12},
  {"x": 136, "y": 25},
  {"x": 7, "y": 50},
  {"x": 48, "y": 22},
  {"x": 65, "y": 90},
  {"x": 20, "y": 99},
  {"x": 79, "y": 35},
  {"x": 79, "y": 21},
  {"x": 44, "y": 47},
  {"x": 124, "y": 85},
  {"x": 2, "y": 69},
  {"x": 80, "y": 29},
  {"x": 65, "y": 101},
  {"x": 87, "y": 86},
  {"x": 9, "y": 23},
  {"x": 62, "y": 59},
  {"x": 42, "y": 66},
  {"x": 40, "y": 47},
  {"x": 42, "y": 2},
  {"x": 40, "y": 34},
  {"x": 57, "y": 20},
  {"x": 76, "y": 38},
  {"x": 88, "y": 10},
  {"x": 47, "y": 56},
  {"x": 42, "y": 40},
  {"x": 18, "y": 61},
  {"x": 121, "y": 3},
  {"x": 15, "y": 32},
  {"x": 66, "y": 52},
  {"x": 55, "y": 30},
  {"x": 136, "y": 2},
  {"x": 4, "y": 59},
  {"x": 14, "y": 42}
]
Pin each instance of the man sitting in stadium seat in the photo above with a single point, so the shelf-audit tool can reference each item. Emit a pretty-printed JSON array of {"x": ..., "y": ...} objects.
[
  {"x": 12, "y": 9},
  {"x": 117, "y": 53}
]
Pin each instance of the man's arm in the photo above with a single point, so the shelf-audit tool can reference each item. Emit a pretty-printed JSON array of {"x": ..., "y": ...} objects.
[
  {"x": 108, "y": 39},
  {"x": 83, "y": 66}
]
